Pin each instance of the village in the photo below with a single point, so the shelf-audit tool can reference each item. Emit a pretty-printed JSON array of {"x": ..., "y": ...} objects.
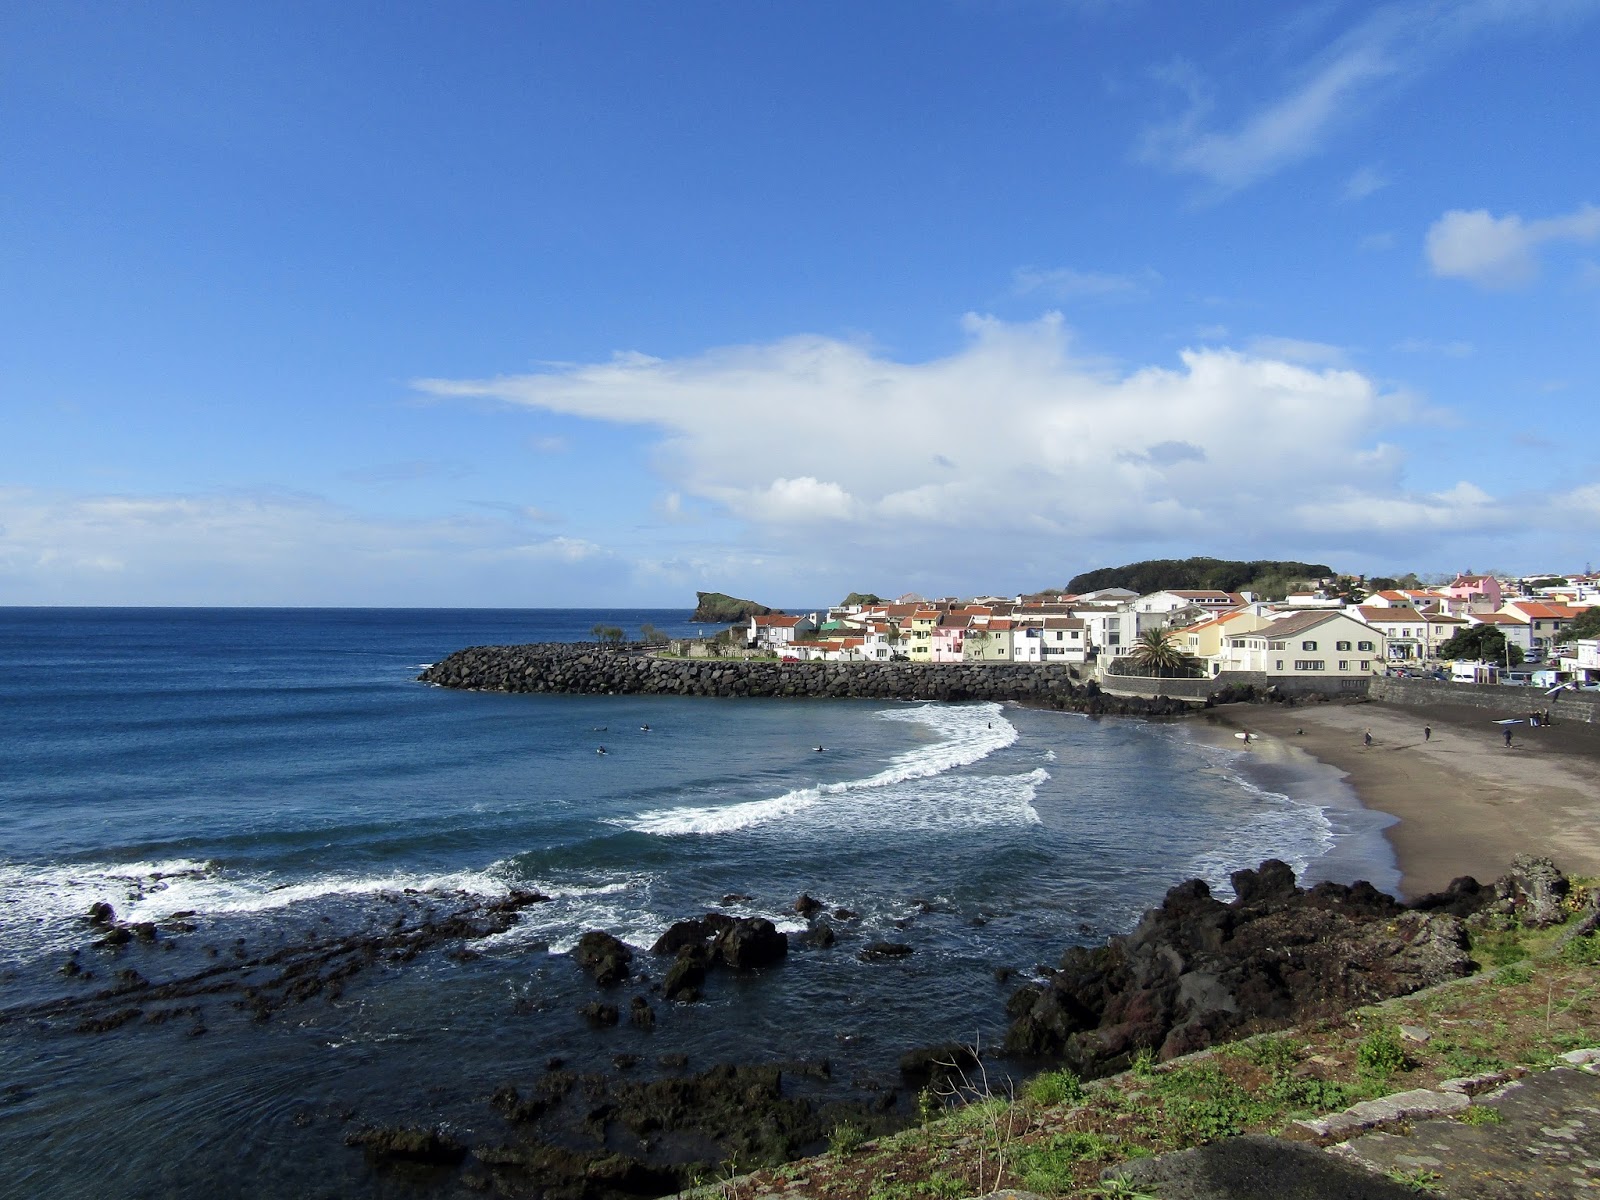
[{"x": 1537, "y": 630}]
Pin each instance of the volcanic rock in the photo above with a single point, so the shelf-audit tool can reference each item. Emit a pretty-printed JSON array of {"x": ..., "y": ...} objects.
[
  {"x": 604, "y": 956},
  {"x": 1197, "y": 971},
  {"x": 751, "y": 942}
]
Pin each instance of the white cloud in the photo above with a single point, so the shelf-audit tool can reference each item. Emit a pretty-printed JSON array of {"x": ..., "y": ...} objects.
[
  {"x": 275, "y": 548},
  {"x": 1501, "y": 252},
  {"x": 1299, "y": 350},
  {"x": 827, "y": 447},
  {"x": 1414, "y": 345},
  {"x": 1363, "y": 182},
  {"x": 1390, "y": 45},
  {"x": 1066, "y": 283}
]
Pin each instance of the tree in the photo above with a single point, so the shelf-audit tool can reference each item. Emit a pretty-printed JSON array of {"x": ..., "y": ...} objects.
[
  {"x": 599, "y": 632},
  {"x": 1585, "y": 625},
  {"x": 1482, "y": 643},
  {"x": 1157, "y": 650},
  {"x": 651, "y": 636}
]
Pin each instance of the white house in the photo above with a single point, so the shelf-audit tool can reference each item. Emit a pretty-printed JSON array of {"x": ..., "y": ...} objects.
[
  {"x": 1317, "y": 645},
  {"x": 1111, "y": 628},
  {"x": 776, "y": 632},
  {"x": 1405, "y": 630}
]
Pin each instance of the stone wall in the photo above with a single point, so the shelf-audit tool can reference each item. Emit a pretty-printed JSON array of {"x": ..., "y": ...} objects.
[
  {"x": 1496, "y": 699},
  {"x": 592, "y": 670}
]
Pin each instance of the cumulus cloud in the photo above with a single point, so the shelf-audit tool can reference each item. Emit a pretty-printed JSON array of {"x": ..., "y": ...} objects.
[
  {"x": 1501, "y": 252},
  {"x": 1010, "y": 438}
]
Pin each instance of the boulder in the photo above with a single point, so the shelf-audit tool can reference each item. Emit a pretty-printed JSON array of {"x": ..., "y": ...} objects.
[
  {"x": 751, "y": 942},
  {"x": 686, "y": 976},
  {"x": 603, "y": 956},
  {"x": 884, "y": 951},
  {"x": 1535, "y": 890},
  {"x": 408, "y": 1144},
  {"x": 693, "y": 932},
  {"x": 806, "y": 906},
  {"x": 938, "y": 1066},
  {"x": 599, "y": 1015}
]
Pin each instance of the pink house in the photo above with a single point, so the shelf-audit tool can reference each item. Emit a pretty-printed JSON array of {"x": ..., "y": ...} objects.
[
  {"x": 949, "y": 637},
  {"x": 1474, "y": 593}
]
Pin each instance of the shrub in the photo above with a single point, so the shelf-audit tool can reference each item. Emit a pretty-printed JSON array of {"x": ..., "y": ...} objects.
[
  {"x": 846, "y": 1137},
  {"x": 1479, "y": 1115}
]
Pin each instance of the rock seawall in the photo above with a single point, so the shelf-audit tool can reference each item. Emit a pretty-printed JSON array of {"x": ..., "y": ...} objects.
[{"x": 593, "y": 670}]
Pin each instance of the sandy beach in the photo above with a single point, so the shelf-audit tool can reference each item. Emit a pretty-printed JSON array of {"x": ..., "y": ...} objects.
[{"x": 1466, "y": 804}]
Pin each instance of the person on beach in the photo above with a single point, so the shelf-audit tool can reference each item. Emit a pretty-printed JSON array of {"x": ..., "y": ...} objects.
[
  {"x": 1427, "y": 733},
  {"x": 1366, "y": 738},
  {"x": 1508, "y": 737}
]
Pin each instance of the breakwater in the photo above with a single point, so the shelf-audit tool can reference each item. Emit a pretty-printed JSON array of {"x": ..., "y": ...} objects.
[{"x": 595, "y": 670}]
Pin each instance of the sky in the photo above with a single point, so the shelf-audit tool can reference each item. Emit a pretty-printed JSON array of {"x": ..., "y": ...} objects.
[{"x": 552, "y": 304}]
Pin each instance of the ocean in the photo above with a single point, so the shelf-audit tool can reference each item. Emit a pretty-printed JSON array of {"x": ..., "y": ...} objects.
[{"x": 278, "y": 776}]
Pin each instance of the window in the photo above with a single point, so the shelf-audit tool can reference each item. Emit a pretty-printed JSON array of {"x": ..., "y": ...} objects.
[
  {"x": 1344, "y": 664},
  {"x": 1279, "y": 646},
  {"x": 1279, "y": 665},
  {"x": 1308, "y": 645},
  {"x": 1341, "y": 645},
  {"x": 1366, "y": 664},
  {"x": 1367, "y": 646},
  {"x": 1309, "y": 664}
]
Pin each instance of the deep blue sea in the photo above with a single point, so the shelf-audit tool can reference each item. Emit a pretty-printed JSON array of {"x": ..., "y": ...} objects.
[{"x": 279, "y": 774}]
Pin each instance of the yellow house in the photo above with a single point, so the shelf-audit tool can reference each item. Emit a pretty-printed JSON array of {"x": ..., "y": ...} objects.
[
  {"x": 1205, "y": 641},
  {"x": 919, "y": 643}
]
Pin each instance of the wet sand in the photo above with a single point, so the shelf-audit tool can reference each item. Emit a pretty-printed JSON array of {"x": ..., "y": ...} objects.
[{"x": 1466, "y": 804}]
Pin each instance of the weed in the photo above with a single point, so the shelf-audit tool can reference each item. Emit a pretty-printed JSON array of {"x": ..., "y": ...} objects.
[
  {"x": 1144, "y": 1063},
  {"x": 1048, "y": 1167},
  {"x": 845, "y": 1137},
  {"x": 1418, "y": 1180},
  {"x": 1478, "y": 1114},
  {"x": 1301, "y": 1094},
  {"x": 1582, "y": 951},
  {"x": 1380, "y": 1053},
  {"x": 1513, "y": 976},
  {"x": 1053, "y": 1087},
  {"x": 1276, "y": 1053},
  {"x": 940, "y": 1186}
]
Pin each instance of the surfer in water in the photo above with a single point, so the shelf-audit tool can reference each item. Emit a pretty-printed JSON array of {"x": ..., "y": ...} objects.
[
  {"x": 819, "y": 749},
  {"x": 599, "y": 749},
  {"x": 644, "y": 728}
]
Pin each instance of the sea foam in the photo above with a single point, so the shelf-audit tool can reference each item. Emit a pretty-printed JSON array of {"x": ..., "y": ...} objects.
[{"x": 967, "y": 734}]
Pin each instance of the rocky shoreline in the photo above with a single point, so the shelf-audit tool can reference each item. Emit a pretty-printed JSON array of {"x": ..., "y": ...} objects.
[
  {"x": 593, "y": 670},
  {"x": 1195, "y": 972}
]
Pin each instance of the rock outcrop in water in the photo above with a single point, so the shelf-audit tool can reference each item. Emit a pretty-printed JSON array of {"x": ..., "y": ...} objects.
[
  {"x": 717, "y": 608},
  {"x": 1197, "y": 971},
  {"x": 592, "y": 670}
]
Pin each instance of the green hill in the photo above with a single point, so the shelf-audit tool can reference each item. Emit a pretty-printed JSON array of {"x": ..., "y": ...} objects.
[{"x": 1266, "y": 576}]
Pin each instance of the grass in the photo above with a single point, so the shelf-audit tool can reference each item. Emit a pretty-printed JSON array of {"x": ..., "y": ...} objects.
[
  {"x": 1052, "y": 1088},
  {"x": 1061, "y": 1132}
]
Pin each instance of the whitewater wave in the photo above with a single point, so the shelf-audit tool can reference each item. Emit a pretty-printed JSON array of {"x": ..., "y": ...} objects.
[
  {"x": 1281, "y": 826},
  {"x": 968, "y": 734}
]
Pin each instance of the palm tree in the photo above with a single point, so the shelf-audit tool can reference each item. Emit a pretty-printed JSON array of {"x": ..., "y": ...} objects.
[{"x": 1157, "y": 650}]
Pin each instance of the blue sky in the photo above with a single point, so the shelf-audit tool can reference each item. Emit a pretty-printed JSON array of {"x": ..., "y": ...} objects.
[{"x": 566, "y": 304}]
